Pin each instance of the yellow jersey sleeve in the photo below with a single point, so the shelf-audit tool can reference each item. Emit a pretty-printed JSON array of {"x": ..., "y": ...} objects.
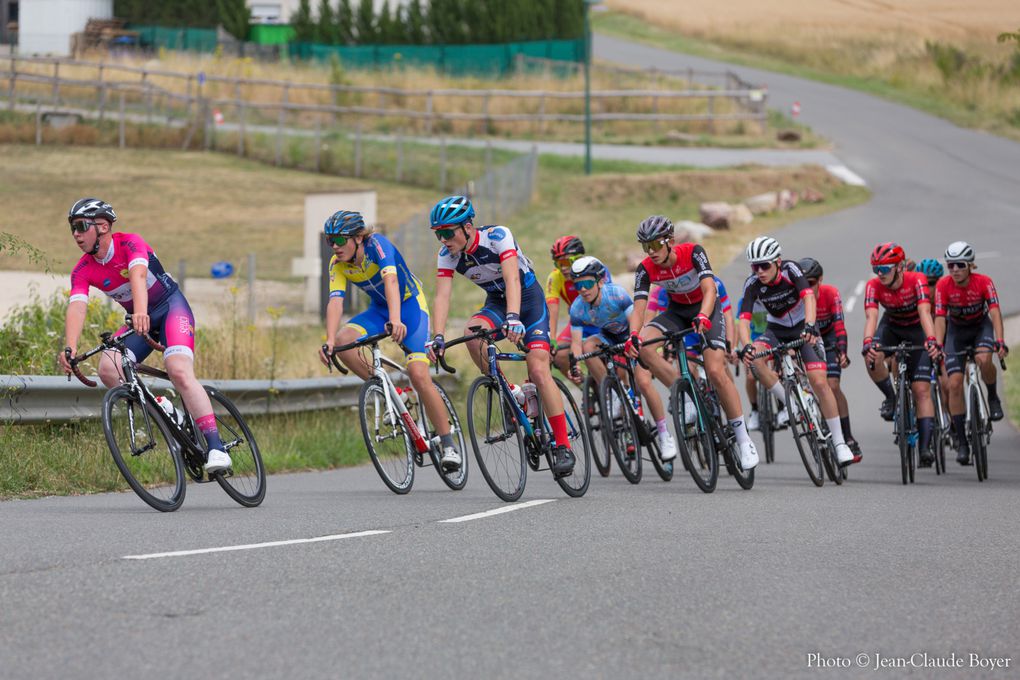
[
  {"x": 554, "y": 286},
  {"x": 337, "y": 279}
]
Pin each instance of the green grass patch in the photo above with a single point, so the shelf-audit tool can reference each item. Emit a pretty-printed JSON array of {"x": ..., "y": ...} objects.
[{"x": 1012, "y": 384}]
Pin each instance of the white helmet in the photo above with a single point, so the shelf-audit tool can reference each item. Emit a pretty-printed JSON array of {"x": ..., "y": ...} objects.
[
  {"x": 763, "y": 249},
  {"x": 959, "y": 251}
]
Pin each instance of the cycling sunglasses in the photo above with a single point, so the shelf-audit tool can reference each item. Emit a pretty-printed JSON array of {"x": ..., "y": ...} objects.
[
  {"x": 956, "y": 265},
  {"x": 584, "y": 284},
  {"x": 445, "y": 234},
  {"x": 882, "y": 269},
  {"x": 81, "y": 226},
  {"x": 336, "y": 240},
  {"x": 653, "y": 246},
  {"x": 567, "y": 261},
  {"x": 812, "y": 282},
  {"x": 761, "y": 266}
]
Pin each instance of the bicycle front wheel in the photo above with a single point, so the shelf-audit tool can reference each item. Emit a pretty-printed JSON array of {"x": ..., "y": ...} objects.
[
  {"x": 697, "y": 447},
  {"x": 903, "y": 418},
  {"x": 978, "y": 446},
  {"x": 623, "y": 434},
  {"x": 144, "y": 450},
  {"x": 576, "y": 483},
  {"x": 455, "y": 479},
  {"x": 593, "y": 421},
  {"x": 388, "y": 443},
  {"x": 496, "y": 439},
  {"x": 245, "y": 482},
  {"x": 765, "y": 423},
  {"x": 804, "y": 435}
]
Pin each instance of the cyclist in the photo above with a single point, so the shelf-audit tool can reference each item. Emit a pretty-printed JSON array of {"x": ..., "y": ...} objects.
[
  {"x": 559, "y": 286},
  {"x": 932, "y": 270},
  {"x": 904, "y": 295},
  {"x": 684, "y": 270},
  {"x": 126, "y": 268},
  {"x": 658, "y": 302},
  {"x": 490, "y": 257},
  {"x": 833, "y": 333},
  {"x": 792, "y": 313},
  {"x": 967, "y": 315},
  {"x": 759, "y": 320},
  {"x": 373, "y": 264},
  {"x": 608, "y": 307}
]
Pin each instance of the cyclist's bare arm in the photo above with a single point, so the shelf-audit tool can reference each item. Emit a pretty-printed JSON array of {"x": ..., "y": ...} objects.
[
  {"x": 391, "y": 287},
  {"x": 334, "y": 312},
  {"x": 512, "y": 279},
  {"x": 709, "y": 293},
  {"x": 924, "y": 312},
  {"x": 137, "y": 276},
  {"x": 940, "y": 329},
  {"x": 810, "y": 309},
  {"x": 441, "y": 304},
  {"x": 637, "y": 316},
  {"x": 74, "y": 321}
]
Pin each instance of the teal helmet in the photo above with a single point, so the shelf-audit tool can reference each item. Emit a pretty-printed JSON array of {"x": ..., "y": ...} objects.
[
  {"x": 452, "y": 210},
  {"x": 931, "y": 268}
]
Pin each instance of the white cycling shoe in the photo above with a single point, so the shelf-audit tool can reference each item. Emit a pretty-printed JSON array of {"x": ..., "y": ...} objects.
[
  {"x": 218, "y": 461},
  {"x": 844, "y": 455},
  {"x": 748, "y": 455},
  {"x": 751, "y": 422},
  {"x": 450, "y": 459},
  {"x": 690, "y": 412},
  {"x": 783, "y": 418},
  {"x": 667, "y": 447}
]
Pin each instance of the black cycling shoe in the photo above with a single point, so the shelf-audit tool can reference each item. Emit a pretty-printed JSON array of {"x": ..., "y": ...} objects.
[
  {"x": 995, "y": 410},
  {"x": 856, "y": 448},
  {"x": 925, "y": 459},
  {"x": 963, "y": 453},
  {"x": 888, "y": 409},
  {"x": 563, "y": 462}
]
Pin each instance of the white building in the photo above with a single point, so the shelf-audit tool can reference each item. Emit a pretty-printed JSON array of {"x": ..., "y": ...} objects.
[{"x": 46, "y": 26}]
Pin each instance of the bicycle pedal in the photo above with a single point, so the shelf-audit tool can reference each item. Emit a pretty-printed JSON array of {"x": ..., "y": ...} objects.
[{"x": 418, "y": 460}]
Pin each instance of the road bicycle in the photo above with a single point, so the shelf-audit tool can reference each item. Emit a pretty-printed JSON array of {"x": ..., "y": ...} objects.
[
  {"x": 941, "y": 435},
  {"x": 628, "y": 432},
  {"x": 979, "y": 425},
  {"x": 703, "y": 432},
  {"x": 155, "y": 446},
  {"x": 905, "y": 417},
  {"x": 396, "y": 430},
  {"x": 809, "y": 429},
  {"x": 506, "y": 440}
]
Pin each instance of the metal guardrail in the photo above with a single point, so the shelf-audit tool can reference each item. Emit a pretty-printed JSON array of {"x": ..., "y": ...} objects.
[{"x": 37, "y": 399}]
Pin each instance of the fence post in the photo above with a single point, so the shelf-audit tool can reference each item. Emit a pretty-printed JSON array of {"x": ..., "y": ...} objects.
[
  {"x": 400, "y": 156},
  {"x": 711, "y": 113},
  {"x": 442, "y": 164},
  {"x": 357, "y": 149},
  {"x": 489, "y": 177},
  {"x": 121, "y": 134},
  {"x": 182, "y": 272},
  {"x": 242, "y": 112},
  {"x": 485, "y": 122},
  {"x": 56, "y": 82},
  {"x": 318, "y": 144},
  {"x": 38, "y": 123},
  {"x": 428, "y": 112},
  {"x": 148, "y": 104},
  {"x": 188, "y": 113},
  {"x": 102, "y": 102},
  {"x": 10, "y": 87},
  {"x": 251, "y": 287},
  {"x": 279, "y": 125}
]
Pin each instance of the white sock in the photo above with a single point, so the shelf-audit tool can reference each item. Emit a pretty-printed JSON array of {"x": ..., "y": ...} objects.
[
  {"x": 778, "y": 392},
  {"x": 836, "y": 429},
  {"x": 739, "y": 430},
  {"x": 661, "y": 426}
]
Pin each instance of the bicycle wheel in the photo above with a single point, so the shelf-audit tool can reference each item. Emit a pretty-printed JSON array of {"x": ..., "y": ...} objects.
[
  {"x": 697, "y": 448},
  {"x": 623, "y": 434},
  {"x": 654, "y": 453},
  {"x": 576, "y": 483},
  {"x": 143, "y": 449},
  {"x": 766, "y": 415},
  {"x": 592, "y": 407},
  {"x": 388, "y": 443},
  {"x": 832, "y": 468},
  {"x": 245, "y": 482},
  {"x": 723, "y": 433},
  {"x": 455, "y": 479},
  {"x": 903, "y": 433},
  {"x": 496, "y": 439},
  {"x": 977, "y": 435},
  {"x": 804, "y": 435}
]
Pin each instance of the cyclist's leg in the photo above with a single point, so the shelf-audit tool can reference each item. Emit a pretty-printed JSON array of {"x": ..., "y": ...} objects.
[
  {"x": 919, "y": 375},
  {"x": 561, "y": 357},
  {"x": 110, "y": 361},
  {"x": 491, "y": 316},
  {"x": 984, "y": 345},
  {"x": 414, "y": 314},
  {"x": 663, "y": 370},
  {"x": 369, "y": 322},
  {"x": 596, "y": 369}
]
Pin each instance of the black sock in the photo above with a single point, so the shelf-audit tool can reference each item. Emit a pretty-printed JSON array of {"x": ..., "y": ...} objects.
[
  {"x": 993, "y": 390},
  {"x": 886, "y": 387},
  {"x": 446, "y": 440},
  {"x": 960, "y": 425},
  {"x": 754, "y": 406},
  {"x": 845, "y": 424},
  {"x": 924, "y": 428}
]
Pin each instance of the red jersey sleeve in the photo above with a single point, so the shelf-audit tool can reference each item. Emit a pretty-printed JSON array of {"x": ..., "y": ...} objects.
[
  {"x": 871, "y": 294},
  {"x": 990, "y": 294}
]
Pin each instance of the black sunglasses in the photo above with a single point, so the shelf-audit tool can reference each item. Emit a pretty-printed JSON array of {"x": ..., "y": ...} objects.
[
  {"x": 81, "y": 226},
  {"x": 761, "y": 266},
  {"x": 956, "y": 265}
]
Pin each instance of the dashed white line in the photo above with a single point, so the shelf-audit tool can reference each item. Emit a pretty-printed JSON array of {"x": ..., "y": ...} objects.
[
  {"x": 254, "y": 546},
  {"x": 847, "y": 175},
  {"x": 850, "y": 303},
  {"x": 497, "y": 511}
]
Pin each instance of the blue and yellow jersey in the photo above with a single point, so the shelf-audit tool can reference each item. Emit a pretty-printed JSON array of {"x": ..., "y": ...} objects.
[{"x": 381, "y": 257}]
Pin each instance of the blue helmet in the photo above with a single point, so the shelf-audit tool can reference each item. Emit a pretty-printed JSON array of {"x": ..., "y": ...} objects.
[
  {"x": 930, "y": 268},
  {"x": 451, "y": 210},
  {"x": 344, "y": 223}
]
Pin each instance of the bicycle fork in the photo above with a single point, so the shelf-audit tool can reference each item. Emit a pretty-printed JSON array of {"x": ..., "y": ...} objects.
[{"x": 395, "y": 403}]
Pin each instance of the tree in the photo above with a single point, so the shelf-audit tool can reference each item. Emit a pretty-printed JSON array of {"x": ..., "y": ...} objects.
[
  {"x": 301, "y": 21},
  {"x": 235, "y": 17},
  {"x": 326, "y": 28},
  {"x": 414, "y": 24},
  {"x": 345, "y": 23},
  {"x": 364, "y": 22},
  {"x": 386, "y": 26}
]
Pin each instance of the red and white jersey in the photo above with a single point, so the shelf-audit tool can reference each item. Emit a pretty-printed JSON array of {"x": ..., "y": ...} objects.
[
  {"x": 965, "y": 305},
  {"x": 682, "y": 281},
  {"x": 829, "y": 317},
  {"x": 900, "y": 304}
]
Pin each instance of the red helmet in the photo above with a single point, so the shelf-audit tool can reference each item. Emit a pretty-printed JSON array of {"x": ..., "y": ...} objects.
[
  {"x": 566, "y": 246},
  {"x": 887, "y": 253}
]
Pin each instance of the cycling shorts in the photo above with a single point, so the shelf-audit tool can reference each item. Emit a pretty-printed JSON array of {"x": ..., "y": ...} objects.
[
  {"x": 172, "y": 325},
  {"x": 679, "y": 317},
  {"x": 414, "y": 313},
  {"x": 918, "y": 361},
  {"x": 813, "y": 354},
  {"x": 534, "y": 315},
  {"x": 833, "y": 369},
  {"x": 960, "y": 338}
]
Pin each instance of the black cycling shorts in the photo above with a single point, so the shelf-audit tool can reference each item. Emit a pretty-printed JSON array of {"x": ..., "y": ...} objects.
[
  {"x": 960, "y": 338},
  {"x": 679, "y": 317}
]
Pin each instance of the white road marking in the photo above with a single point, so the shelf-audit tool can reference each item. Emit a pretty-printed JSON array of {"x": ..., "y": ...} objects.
[
  {"x": 859, "y": 288},
  {"x": 253, "y": 546},
  {"x": 852, "y": 302},
  {"x": 847, "y": 175},
  {"x": 497, "y": 511}
]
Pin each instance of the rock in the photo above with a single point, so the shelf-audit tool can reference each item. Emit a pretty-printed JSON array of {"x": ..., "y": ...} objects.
[
  {"x": 762, "y": 203},
  {"x": 677, "y": 136},
  {"x": 633, "y": 258},
  {"x": 741, "y": 214},
  {"x": 694, "y": 231},
  {"x": 810, "y": 195},
  {"x": 787, "y": 200},
  {"x": 788, "y": 136},
  {"x": 716, "y": 215}
]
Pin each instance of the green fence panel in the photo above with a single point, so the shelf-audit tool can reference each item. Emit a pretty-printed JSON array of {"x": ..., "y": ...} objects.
[
  {"x": 194, "y": 39},
  {"x": 271, "y": 34}
]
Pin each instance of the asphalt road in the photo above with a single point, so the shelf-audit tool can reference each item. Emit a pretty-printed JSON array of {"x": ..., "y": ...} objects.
[{"x": 658, "y": 580}]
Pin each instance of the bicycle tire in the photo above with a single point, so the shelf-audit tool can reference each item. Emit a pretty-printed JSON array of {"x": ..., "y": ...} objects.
[
  {"x": 379, "y": 425},
  {"x": 623, "y": 435},
  {"x": 591, "y": 405},
  {"x": 697, "y": 447},
  {"x": 833, "y": 469},
  {"x": 576, "y": 483},
  {"x": 455, "y": 479},
  {"x": 765, "y": 423},
  {"x": 903, "y": 432},
  {"x": 977, "y": 438},
  {"x": 246, "y": 480},
  {"x": 505, "y": 476},
  {"x": 663, "y": 468},
  {"x": 745, "y": 478},
  {"x": 938, "y": 432},
  {"x": 803, "y": 437},
  {"x": 159, "y": 479}
]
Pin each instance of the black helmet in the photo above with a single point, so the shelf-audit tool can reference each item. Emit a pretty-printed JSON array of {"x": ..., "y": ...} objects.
[
  {"x": 655, "y": 228},
  {"x": 89, "y": 208},
  {"x": 810, "y": 267}
]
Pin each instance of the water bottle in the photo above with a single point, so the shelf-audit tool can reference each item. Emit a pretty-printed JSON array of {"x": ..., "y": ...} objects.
[
  {"x": 634, "y": 401},
  {"x": 531, "y": 399},
  {"x": 406, "y": 395},
  {"x": 519, "y": 395},
  {"x": 168, "y": 408}
]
